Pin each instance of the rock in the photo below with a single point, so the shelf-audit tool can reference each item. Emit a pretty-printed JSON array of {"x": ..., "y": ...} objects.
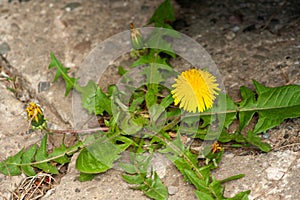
[
  {"x": 172, "y": 190},
  {"x": 43, "y": 86},
  {"x": 274, "y": 173},
  {"x": 4, "y": 48},
  {"x": 235, "y": 29},
  {"x": 230, "y": 35}
]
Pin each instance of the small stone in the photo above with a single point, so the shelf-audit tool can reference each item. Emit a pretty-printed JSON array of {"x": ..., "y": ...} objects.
[
  {"x": 43, "y": 86},
  {"x": 266, "y": 135},
  {"x": 274, "y": 173},
  {"x": 172, "y": 190},
  {"x": 235, "y": 29},
  {"x": 230, "y": 35},
  {"x": 4, "y": 48},
  {"x": 71, "y": 6}
]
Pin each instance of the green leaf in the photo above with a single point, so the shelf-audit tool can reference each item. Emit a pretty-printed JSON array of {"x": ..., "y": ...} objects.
[
  {"x": 157, "y": 117},
  {"x": 126, "y": 142},
  {"x": 94, "y": 100},
  {"x": 150, "y": 97},
  {"x": 163, "y": 14},
  {"x": 273, "y": 105},
  {"x": 168, "y": 100},
  {"x": 255, "y": 140},
  {"x": 136, "y": 179},
  {"x": 157, "y": 190},
  {"x": 60, "y": 152},
  {"x": 216, "y": 188},
  {"x": 88, "y": 164},
  {"x": 27, "y": 158},
  {"x": 62, "y": 71},
  {"x": 248, "y": 97},
  {"x": 121, "y": 71},
  {"x": 156, "y": 73},
  {"x": 128, "y": 168},
  {"x": 99, "y": 156},
  {"x": 151, "y": 185},
  {"x": 86, "y": 177},
  {"x": 225, "y": 113},
  {"x": 241, "y": 196},
  {"x": 158, "y": 43},
  {"x": 135, "y": 103},
  {"x": 231, "y": 178},
  {"x": 203, "y": 196},
  {"x": 9, "y": 167},
  {"x": 41, "y": 156},
  {"x": 196, "y": 181}
]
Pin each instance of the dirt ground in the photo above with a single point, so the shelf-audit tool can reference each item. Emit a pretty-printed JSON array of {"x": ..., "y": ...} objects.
[{"x": 246, "y": 39}]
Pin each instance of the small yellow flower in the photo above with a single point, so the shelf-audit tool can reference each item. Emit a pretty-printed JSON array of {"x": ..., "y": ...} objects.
[
  {"x": 33, "y": 111},
  {"x": 194, "y": 89},
  {"x": 216, "y": 147}
]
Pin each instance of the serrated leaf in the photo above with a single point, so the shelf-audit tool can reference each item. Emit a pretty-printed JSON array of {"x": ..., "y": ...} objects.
[
  {"x": 121, "y": 71},
  {"x": 158, "y": 43},
  {"x": 73, "y": 149},
  {"x": 94, "y": 100},
  {"x": 62, "y": 71},
  {"x": 163, "y": 14},
  {"x": 151, "y": 59},
  {"x": 126, "y": 142},
  {"x": 248, "y": 97},
  {"x": 203, "y": 196},
  {"x": 27, "y": 158},
  {"x": 136, "y": 179},
  {"x": 217, "y": 189},
  {"x": 150, "y": 97},
  {"x": 86, "y": 177},
  {"x": 168, "y": 100},
  {"x": 157, "y": 190},
  {"x": 42, "y": 155},
  {"x": 255, "y": 140},
  {"x": 196, "y": 181},
  {"x": 128, "y": 168},
  {"x": 9, "y": 167},
  {"x": 273, "y": 105},
  {"x": 88, "y": 164},
  {"x": 225, "y": 113},
  {"x": 241, "y": 196},
  {"x": 157, "y": 117},
  {"x": 98, "y": 157},
  {"x": 135, "y": 103},
  {"x": 61, "y": 152}
]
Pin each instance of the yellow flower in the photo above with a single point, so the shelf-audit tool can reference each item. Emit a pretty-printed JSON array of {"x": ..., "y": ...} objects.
[
  {"x": 33, "y": 111},
  {"x": 194, "y": 89},
  {"x": 216, "y": 147}
]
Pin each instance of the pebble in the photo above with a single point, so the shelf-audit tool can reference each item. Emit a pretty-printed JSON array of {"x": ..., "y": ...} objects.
[
  {"x": 274, "y": 173},
  {"x": 172, "y": 190},
  {"x": 230, "y": 35},
  {"x": 4, "y": 48},
  {"x": 266, "y": 135},
  {"x": 235, "y": 29},
  {"x": 43, "y": 86},
  {"x": 71, "y": 6}
]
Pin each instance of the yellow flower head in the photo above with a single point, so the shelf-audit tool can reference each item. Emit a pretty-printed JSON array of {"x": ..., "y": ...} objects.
[
  {"x": 194, "y": 89},
  {"x": 33, "y": 111},
  {"x": 216, "y": 147}
]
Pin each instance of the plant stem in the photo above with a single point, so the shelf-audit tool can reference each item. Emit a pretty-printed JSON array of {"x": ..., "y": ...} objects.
[{"x": 71, "y": 131}]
